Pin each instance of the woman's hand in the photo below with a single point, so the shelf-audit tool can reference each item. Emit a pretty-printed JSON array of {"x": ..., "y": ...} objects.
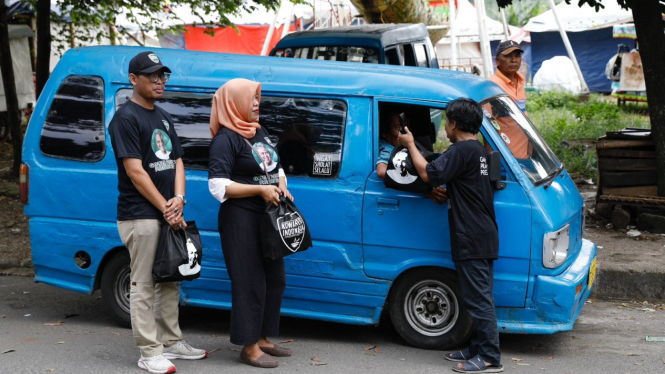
[
  {"x": 270, "y": 194},
  {"x": 286, "y": 193}
]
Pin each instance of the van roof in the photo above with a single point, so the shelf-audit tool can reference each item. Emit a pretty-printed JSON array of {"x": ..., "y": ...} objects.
[
  {"x": 385, "y": 34},
  {"x": 208, "y": 71}
]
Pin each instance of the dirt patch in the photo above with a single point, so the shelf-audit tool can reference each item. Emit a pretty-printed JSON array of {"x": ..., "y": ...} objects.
[{"x": 15, "y": 255}]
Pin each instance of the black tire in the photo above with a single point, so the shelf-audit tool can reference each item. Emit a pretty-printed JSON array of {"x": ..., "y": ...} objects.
[
  {"x": 115, "y": 288},
  {"x": 427, "y": 311}
]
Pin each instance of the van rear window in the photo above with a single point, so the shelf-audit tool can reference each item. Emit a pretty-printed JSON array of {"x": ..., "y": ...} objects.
[
  {"x": 367, "y": 55},
  {"x": 309, "y": 131},
  {"x": 74, "y": 126}
]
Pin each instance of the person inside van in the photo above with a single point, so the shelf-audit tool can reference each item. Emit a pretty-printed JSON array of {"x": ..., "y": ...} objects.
[
  {"x": 237, "y": 180},
  {"x": 148, "y": 196},
  {"x": 390, "y": 123},
  {"x": 474, "y": 238}
]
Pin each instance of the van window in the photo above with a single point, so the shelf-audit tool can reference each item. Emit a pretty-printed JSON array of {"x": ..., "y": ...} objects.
[
  {"x": 409, "y": 55},
  {"x": 392, "y": 57},
  {"x": 421, "y": 55},
  {"x": 422, "y": 121},
  {"x": 74, "y": 126},
  {"x": 333, "y": 53},
  {"x": 308, "y": 132}
]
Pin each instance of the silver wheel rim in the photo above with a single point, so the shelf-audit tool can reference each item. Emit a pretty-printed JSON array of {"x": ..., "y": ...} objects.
[
  {"x": 431, "y": 308},
  {"x": 121, "y": 288}
]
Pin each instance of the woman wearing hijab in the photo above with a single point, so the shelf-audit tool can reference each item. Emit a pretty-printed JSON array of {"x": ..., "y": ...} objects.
[{"x": 237, "y": 179}]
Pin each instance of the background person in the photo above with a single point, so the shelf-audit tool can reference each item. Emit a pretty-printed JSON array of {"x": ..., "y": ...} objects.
[
  {"x": 142, "y": 209},
  {"x": 237, "y": 180},
  {"x": 507, "y": 76},
  {"x": 474, "y": 233}
]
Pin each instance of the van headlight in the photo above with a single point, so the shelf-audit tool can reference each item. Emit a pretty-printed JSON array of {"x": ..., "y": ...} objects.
[{"x": 555, "y": 247}]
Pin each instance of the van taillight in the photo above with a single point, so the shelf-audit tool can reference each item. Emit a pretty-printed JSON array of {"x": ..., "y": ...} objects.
[{"x": 24, "y": 181}]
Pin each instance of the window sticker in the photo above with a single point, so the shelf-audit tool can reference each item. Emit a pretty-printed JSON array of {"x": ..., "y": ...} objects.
[{"x": 322, "y": 164}]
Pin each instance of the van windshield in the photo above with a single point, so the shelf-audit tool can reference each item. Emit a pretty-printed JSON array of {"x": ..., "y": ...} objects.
[
  {"x": 523, "y": 140},
  {"x": 367, "y": 55}
]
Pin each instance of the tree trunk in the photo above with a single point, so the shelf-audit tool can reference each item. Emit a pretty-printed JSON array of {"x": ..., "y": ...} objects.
[
  {"x": 11, "y": 96},
  {"x": 649, "y": 29},
  {"x": 43, "y": 43}
]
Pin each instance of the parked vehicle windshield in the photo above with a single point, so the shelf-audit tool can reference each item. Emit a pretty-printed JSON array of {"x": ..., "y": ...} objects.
[
  {"x": 333, "y": 53},
  {"x": 523, "y": 140}
]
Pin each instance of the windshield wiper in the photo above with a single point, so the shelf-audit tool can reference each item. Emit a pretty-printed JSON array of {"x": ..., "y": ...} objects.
[{"x": 552, "y": 176}]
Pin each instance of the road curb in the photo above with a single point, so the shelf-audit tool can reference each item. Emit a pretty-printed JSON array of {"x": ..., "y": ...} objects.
[{"x": 628, "y": 284}]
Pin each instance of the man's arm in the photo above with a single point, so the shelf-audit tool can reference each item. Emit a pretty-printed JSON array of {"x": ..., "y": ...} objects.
[{"x": 418, "y": 160}]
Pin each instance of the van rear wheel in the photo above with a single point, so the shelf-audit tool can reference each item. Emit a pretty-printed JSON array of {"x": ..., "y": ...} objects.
[
  {"x": 426, "y": 309},
  {"x": 115, "y": 288}
]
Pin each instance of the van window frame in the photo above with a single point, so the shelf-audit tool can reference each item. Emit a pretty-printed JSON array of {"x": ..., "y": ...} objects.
[{"x": 103, "y": 129}]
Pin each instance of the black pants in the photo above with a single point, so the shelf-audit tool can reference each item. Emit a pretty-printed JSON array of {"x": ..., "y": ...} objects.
[
  {"x": 257, "y": 285},
  {"x": 476, "y": 279}
]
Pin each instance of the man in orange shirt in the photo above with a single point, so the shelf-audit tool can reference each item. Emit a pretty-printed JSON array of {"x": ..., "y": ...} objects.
[{"x": 508, "y": 62}]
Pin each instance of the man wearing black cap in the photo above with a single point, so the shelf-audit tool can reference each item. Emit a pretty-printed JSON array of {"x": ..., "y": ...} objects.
[
  {"x": 151, "y": 185},
  {"x": 508, "y": 61}
]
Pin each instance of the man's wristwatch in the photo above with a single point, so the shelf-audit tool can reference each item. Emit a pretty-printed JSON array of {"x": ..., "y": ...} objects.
[{"x": 182, "y": 197}]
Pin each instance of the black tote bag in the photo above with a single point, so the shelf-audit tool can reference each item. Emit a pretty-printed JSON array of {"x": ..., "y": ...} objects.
[
  {"x": 283, "y": 228},
  {"x": 402, "y": 175},
  {"x": 178, "y": 254}
]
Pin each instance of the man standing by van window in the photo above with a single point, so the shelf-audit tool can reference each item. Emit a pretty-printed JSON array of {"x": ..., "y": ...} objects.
[
  {"x": 508, "y": 62},
  {"x": 152, "y": 191}
]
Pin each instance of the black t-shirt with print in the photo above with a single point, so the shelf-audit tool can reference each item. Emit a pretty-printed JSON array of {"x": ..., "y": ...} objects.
[
  {"x": 232, "y": 158},
  {"x": 464, "y": 169},
  {"x": 148, "y": 135}
]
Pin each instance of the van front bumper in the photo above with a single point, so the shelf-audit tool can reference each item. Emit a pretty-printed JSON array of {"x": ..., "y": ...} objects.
[{"x": 557, "y": 300}]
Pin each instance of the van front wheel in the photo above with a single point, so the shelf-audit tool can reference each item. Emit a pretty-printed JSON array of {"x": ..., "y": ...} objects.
[
  {"x": 426, "y": 309},
  {"x": 115, "y": 288}
]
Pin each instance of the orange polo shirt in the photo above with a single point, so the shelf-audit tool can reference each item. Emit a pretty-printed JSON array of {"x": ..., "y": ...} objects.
[{"x": 515, "y": 91}]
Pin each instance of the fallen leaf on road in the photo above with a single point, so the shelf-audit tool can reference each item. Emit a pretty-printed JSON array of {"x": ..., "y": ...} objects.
[
  {"x": 547, "y": 358},
  {"x": 523, "y": 364},
  {"x": 60, "y": 342},
  {"x": 316, "y": 361},
  {"x": 50, "y": 370},
  {"x": 403, "y": 359},
  {"x": 214, "y": 350},
  {"x": 639, "y": 364},
  {"x": 7, "y": 351},
  {"x": 631, "y": 354},
  {"x": 377, "y": 350},
  {"x": 516, "y": 359},
  {"x": 574, "y": 337},
  {"x": 2, "y": 316},
  {"x": 213, "y": 335},
  {"x": 27, "y": 315},
  {"x": 315, "y": 358},
  {"x": 26, "y": 292},
  {"x": 58, "y": 323},
  {"x": 287, "y": 341},
  {"x": 370, "y": 347}
]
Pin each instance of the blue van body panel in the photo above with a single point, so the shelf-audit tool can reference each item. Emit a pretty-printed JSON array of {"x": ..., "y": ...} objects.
[{"x": 362, "y": 242}]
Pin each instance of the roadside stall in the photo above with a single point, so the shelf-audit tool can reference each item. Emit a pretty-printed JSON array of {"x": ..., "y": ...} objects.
[{"x": 625, "y": 68}]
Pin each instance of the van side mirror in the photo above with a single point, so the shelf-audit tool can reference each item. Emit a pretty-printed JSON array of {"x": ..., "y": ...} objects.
[{"x": 495, "y": 170}]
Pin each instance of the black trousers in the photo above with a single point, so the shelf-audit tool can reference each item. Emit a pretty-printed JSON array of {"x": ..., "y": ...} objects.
[
  {"x": 476, "y": 279},
  {"x": 257, "y": 285}
]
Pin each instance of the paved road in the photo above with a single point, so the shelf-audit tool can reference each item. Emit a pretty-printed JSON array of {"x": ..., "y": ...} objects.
[{"x": 608, "y": 339}]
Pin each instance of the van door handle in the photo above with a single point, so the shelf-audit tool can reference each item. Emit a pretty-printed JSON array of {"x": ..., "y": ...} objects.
[{"x": 383, "y": 200}]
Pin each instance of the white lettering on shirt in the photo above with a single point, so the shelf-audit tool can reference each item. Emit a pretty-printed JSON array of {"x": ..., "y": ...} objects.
[
  {"x": 162, "y": 165},
  {"x": 483, "y": 166}
]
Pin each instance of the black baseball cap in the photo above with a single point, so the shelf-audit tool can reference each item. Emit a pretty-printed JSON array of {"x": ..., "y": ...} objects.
[
  {"x": 146, "y": 63},
  {"x": 507, "y": 47}
]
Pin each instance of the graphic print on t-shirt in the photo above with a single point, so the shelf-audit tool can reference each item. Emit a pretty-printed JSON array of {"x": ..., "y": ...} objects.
[
  {"x": 161, "y": 144},
  {"x": 400, "y": 174},
  {"x": 265, "y": 155}
]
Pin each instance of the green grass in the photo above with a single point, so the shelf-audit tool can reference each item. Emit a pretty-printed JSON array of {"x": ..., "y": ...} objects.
[{"x": 569, "y": 126}]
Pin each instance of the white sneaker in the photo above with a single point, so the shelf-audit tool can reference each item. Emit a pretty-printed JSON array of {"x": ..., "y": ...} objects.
[
  {"x": 183, "y": 351},
  {"x": 156, "y": 365}
]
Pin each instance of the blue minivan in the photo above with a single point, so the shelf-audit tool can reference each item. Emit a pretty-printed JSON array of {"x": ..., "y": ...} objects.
[{"x": 376, "y": 250}]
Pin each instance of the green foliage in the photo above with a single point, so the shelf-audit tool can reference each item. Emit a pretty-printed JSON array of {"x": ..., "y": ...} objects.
[{"x": 570, "y": 126}]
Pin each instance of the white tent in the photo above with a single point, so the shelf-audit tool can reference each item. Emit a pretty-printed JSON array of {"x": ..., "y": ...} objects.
[
  {"x": 574, "y": 18},
  {"x": 468, "y": 39}
]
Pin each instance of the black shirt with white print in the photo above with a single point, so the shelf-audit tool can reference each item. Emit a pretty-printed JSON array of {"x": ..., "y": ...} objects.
[
  {"x": 464, "y": 169},
  {"x": 232, "y": 158},
  {"x": 148, "y": 135}
]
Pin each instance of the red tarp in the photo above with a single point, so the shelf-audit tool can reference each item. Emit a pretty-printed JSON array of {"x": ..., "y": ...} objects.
[{"x": 227, "y": 40}]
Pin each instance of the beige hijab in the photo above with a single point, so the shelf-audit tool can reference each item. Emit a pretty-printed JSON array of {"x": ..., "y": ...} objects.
[{"x": 231, "y": 105}]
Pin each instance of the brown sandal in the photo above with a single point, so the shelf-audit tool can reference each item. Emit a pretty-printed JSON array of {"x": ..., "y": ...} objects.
[
  {"x": 264, "y": 361},
  {"x": 277, "y": 351}
]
